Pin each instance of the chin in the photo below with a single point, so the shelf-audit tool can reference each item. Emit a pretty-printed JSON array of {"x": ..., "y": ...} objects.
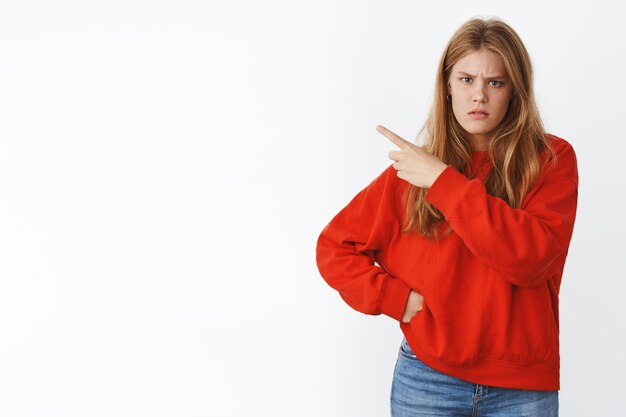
[{"x": 478, "y": 131}]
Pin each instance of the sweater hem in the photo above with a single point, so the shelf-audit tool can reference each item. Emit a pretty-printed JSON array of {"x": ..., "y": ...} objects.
[{"x": 541, "y": 376}]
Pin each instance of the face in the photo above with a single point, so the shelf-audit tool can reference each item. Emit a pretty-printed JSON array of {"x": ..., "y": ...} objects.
[{"x": 480, "y": 90}]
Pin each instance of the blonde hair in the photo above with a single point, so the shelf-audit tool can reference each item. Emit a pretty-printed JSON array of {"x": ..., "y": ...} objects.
[{"x": 517, "y": 142}]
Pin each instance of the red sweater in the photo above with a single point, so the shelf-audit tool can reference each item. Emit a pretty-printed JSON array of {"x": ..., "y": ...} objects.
[{"x": 490, "y": 288}]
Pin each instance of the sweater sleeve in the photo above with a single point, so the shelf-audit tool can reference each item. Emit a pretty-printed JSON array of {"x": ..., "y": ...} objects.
[
  {"x": 528, "y": 244},
  {"x": 347, "y": 248}
]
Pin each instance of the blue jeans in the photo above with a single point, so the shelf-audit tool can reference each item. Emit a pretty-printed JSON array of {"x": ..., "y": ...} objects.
[{"x": 418, "y": 390}]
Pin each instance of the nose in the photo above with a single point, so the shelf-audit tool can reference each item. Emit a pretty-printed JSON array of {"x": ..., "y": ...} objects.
[{"x": 480, "y": 94}]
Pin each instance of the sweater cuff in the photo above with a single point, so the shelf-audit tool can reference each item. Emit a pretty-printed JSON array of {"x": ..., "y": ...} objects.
[
  {"x": 394, "y": 298},
  {"x": 444, "y": 192}
]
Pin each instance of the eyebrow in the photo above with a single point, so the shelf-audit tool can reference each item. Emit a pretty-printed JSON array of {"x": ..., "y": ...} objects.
[{"x": 473, "y": 76}]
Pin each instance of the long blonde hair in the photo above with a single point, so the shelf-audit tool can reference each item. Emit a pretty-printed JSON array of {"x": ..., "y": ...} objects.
[{"x": 517, "y": 142}]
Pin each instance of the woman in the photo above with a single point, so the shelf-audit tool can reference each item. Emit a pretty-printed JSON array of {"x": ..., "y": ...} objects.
[{"x": 463, "y": 241}]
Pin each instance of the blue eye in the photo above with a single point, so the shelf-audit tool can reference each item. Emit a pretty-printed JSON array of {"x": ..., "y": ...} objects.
[
  {"x": 499, "y": 83},
  {"x": 465, "y": 78}
]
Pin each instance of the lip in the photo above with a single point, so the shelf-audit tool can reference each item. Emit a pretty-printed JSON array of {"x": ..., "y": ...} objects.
[{"x": 478, "y": 114}]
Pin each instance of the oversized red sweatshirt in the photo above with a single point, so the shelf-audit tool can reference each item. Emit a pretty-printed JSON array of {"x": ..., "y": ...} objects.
[{"x": 491, "y": 287}]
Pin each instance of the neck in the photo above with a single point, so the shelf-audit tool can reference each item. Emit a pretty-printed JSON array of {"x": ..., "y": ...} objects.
[{"x": 480, "y": 143}]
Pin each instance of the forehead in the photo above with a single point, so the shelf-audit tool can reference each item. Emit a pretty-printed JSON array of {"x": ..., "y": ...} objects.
[{"x": 482, "y": 62}]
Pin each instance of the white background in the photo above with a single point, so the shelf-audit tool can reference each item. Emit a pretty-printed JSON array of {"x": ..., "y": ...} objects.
[{"x": 167, "y": 166}]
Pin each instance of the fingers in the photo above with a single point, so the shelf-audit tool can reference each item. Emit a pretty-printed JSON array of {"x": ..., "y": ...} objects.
[
  {"x": 396, "y": 155},
  {"x": 397, "y": 140}
]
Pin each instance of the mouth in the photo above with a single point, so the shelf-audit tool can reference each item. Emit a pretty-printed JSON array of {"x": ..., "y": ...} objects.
[{"x": 478, "y": 114}]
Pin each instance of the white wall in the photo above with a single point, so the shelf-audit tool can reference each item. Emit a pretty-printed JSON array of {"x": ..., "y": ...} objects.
[{"x": 167, "y": 166}]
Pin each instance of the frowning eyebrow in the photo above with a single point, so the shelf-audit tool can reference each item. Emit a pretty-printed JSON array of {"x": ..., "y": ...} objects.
[{"x": 473, "y": 76}]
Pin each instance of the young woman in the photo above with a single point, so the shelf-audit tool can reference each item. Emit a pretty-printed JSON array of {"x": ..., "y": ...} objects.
[{"x": 463, "y": 240}]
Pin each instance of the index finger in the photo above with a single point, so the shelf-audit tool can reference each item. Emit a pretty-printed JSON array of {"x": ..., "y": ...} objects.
[{"x": 397, "y": 140}]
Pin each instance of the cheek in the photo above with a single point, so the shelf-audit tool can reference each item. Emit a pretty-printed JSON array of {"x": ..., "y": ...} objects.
[
  {"x": 459, "y": 97},
  {"x": 501, "y": 104},
  {"x": 456, "y": 107}
]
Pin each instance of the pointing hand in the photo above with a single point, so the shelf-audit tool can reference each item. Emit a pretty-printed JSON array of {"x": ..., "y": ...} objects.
[{"x": 412, "y": 162}]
